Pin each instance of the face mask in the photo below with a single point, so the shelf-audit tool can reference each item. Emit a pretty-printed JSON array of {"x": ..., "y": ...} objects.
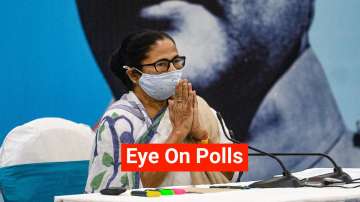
[{"x": 160, "y": 86}]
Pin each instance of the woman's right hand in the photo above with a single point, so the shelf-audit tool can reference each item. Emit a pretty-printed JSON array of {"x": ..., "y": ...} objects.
[{"x": 181, "y": 109}]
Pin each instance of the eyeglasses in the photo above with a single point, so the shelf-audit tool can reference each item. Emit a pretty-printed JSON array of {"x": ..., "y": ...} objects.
[{"x": 163, "y": 65}]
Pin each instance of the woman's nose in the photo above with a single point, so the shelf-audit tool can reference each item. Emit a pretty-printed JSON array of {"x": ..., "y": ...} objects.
[{"x": 172, "y": 67}]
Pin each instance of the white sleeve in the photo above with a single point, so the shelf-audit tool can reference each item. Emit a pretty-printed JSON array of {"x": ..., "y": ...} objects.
[{"x": 105, "y": 167}]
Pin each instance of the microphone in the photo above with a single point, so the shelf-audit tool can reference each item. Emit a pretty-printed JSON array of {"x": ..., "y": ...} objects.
[
  {"x": 287, "y": 180},
  {"x": 356, "y": 138},
  {"x": 337, "y": 174}
]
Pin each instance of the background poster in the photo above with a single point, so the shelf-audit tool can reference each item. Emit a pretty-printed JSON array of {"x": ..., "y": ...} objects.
[{"x": 288, "y": 69}]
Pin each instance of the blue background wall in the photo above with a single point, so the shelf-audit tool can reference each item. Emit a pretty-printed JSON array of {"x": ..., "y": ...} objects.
[
  {"x": 335, "y": 36},
  {"x": 48, "y": 69}
]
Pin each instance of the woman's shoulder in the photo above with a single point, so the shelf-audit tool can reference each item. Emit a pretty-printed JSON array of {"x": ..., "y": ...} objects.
[
  {"x": 203, "y": 104},
  {"x": 124, "y": 107}
]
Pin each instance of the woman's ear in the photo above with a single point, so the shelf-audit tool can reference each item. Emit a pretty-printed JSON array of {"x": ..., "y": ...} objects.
[{"x": 133, "y": 75}]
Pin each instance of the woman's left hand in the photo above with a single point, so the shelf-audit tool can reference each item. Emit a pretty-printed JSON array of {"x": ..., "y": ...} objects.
[{"x": 197, "y": 131}]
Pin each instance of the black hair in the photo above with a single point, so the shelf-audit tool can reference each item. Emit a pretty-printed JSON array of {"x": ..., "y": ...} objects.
[{"x": 133, "y": 50}]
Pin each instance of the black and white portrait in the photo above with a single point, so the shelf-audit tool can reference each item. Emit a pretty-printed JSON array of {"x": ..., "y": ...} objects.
[{"x": 251, "y": 60}]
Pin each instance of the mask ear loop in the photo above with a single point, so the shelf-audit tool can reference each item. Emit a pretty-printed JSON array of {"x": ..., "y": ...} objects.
[
  {"x": 126, "y": 67},
  {"x": 129, "y": 68}
]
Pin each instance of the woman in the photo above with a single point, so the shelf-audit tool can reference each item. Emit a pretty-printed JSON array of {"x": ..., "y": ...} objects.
[{"x": 160, "y": 107}]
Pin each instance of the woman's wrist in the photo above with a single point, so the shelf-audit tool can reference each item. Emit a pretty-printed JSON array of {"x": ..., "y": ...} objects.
[
  {"x": 176, "y": 136},
  {"x": 200, "y": 137},
  {"x": 199, "y": 134}
]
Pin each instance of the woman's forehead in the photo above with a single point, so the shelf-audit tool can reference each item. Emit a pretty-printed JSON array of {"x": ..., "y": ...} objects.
[{"x": 162, "y": 49}]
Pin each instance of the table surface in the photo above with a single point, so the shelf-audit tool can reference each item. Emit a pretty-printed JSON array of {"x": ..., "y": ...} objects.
[{"x": 256, "y": 194}]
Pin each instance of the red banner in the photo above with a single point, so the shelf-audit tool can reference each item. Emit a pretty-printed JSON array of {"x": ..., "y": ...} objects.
[{"x": 184, "y": 157}]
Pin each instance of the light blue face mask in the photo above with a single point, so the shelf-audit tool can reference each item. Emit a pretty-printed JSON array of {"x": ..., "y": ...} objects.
[{"x": 159, "y": 86}]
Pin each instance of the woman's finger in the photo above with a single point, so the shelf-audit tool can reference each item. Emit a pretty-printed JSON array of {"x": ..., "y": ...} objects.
[
  {"x": 190, "y": 91},
  {"x": 190, "y": 102},
  {"x": 171, "y": 104},
  {"x": 178, "y": 90},
  {"x": 195, "y": 101},
  {"x": 181, "y": 89},
  {"x": 185, "y": 92}
]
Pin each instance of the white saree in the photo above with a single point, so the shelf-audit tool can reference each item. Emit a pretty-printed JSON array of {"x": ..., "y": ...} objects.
[{"x": 126, "y": 121}]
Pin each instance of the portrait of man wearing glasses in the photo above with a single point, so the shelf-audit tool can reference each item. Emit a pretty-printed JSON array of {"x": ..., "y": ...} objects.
[{"x": 251, "y": 60}]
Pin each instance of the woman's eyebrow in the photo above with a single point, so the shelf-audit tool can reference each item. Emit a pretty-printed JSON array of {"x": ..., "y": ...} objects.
[{"x": 167, "y": 59}]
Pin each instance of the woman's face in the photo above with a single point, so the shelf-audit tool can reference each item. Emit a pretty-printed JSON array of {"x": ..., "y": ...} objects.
[{"x": 162, "y": 49}]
